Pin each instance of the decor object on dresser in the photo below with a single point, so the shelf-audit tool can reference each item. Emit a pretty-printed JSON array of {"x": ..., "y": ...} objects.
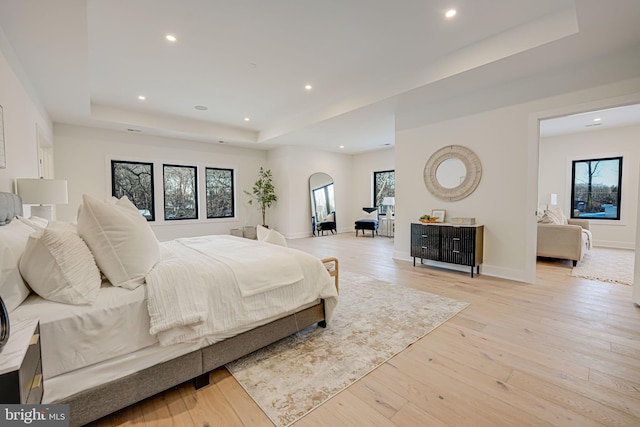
[
  {"x": 452, "y": 173},
  {"x": 438, "y": 214},
  {"x": 263, "y": 192},
  {"x": 462, "y": 245},
  {"x": 368, "y": 222},
  {"x": 562, "y": 238},
  {"x": 41, "y": 192}
]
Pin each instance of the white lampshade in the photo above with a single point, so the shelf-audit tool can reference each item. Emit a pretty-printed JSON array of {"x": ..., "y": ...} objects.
[
  {"x": 43, "y": 191},
  {"x": 389, "y": 201}
]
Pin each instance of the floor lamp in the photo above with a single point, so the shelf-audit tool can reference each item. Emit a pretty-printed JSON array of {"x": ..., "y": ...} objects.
[{"x": 43, "y": 193}]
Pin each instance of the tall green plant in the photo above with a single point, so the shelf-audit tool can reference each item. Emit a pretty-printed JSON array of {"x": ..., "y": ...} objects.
[{"x": 263, "y": 192}]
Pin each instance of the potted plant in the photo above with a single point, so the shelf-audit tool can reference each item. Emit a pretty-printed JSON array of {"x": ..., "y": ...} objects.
[{"x": 263, "y": 192}]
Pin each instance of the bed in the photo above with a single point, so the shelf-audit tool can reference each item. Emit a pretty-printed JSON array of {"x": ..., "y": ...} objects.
[{"x": 101, "y": 356}]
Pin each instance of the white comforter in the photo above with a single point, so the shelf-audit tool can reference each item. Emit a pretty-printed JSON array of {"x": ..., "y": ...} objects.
[{"x": 219, "y": 284}]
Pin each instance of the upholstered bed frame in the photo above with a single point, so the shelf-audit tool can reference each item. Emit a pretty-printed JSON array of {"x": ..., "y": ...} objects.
[{"x": 92, "y": 404}]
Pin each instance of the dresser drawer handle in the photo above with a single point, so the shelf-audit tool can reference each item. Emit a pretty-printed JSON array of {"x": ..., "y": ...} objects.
[{"x": 34, "y": 339}]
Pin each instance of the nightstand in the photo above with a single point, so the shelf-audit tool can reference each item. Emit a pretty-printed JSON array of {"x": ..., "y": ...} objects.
[{"x": 21, "y": 364}]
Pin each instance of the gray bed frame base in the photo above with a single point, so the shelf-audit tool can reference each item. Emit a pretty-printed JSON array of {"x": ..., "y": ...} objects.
[{"x": 102, "y": 400}]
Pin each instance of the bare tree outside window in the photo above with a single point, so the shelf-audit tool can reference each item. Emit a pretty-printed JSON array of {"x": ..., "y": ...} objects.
[
  {"x": 220, "y": 197},
  {"x": 384, "y": 185},
  {"x": 596, "y": 192},
  {"x": 180, "y": 192},
  {"x": 134, "y": 180}
]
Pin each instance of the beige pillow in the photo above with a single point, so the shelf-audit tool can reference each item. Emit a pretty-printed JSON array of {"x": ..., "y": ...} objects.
[
  {"x": 58, "y": 265},
  {"x": 554, "y": 216},
  {"x": 13, "y": 240},
  {"x": 121, "y": 240},
  {"x": 271, "y": 236}
]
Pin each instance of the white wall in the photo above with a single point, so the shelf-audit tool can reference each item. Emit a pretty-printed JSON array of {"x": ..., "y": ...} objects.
[
  {"x": 556, "y": 156},
  {"x": 506, "y": 199},
  {"x": 83, "y": 157},
  {"x": 291, "y": 168},
  {"x": 364, "y": 165},
  {"x": 22, "y": 113}
]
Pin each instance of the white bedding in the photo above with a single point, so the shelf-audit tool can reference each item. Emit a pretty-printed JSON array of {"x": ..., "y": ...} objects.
[
  {"x": 177, "y": 313},
  {"x": 80, "y": 340},
  {"x": 74, "y": 336}
]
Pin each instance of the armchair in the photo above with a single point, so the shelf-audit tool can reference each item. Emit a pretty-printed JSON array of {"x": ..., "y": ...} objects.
[
  {"x": 564, "y": 241},
  {"x": 328, "y": 225}
]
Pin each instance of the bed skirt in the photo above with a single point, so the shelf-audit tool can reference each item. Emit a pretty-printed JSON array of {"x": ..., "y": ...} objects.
[{"x": 102, "y": 400}]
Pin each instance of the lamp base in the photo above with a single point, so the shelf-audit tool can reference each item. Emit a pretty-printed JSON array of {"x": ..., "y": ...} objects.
[{"x": 42, "y": 211}]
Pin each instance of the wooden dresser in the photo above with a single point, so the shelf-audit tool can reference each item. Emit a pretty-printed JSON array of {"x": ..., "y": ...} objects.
[
  {"x": 454, "y": 244},
  {"x": 21, "y": 364}
]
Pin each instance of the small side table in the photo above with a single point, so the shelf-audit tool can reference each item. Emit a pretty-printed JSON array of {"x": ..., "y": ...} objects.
[
  {"x": 387, "y": 226},
  {"x": 21, "y": 364}
]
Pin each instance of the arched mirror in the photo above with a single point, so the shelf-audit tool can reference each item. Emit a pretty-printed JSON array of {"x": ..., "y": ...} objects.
[
  {"x": 323, "y": 204},
  {"x": 452, "y": 173}
]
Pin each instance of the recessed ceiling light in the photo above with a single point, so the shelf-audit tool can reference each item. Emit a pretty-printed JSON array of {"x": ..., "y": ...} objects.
[
  {"x": 450, "y": 13},
  {"x": 171, "y": 37},
  {"x": 597, "y": 119},
  {"x": 142, "y": 97},
  {"x": 342, "y": 146},
  {"x": 246, "y": 119},
  {"x": 201, "y": 107},
  {"x": 308, "y": 87}
]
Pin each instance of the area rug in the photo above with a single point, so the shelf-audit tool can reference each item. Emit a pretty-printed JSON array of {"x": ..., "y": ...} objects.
[
  {"x": 607, "y": 265},
  {"x": 374, "y": 320}
]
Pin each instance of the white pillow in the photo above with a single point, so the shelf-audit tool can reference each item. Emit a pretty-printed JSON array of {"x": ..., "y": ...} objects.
[
  {"x": 58, "y": 265},
  {"x": 369, "y": 215},
  {"x": 331, "y": 217},
  {"x": 121, "y": 240},
  {"x": 271, "y": 236},
  {"x": 13, "y": 240},
  {"x": 34, "y": 222}
]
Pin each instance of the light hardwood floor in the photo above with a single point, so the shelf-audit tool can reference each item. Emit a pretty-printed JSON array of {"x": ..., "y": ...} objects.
[{"x": 564, "y": 351}]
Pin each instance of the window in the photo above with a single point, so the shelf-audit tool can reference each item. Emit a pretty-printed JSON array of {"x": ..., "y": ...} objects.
[
  {"x": 384, "y": 185},
  {"x": 220, "y": 197},
  {"x": 596, "y": 192},
  {"x": 134, "y": 180},
  {"x": 180, "y": 192}
]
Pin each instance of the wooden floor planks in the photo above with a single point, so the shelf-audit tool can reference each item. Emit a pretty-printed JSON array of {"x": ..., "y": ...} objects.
[{"x": 564, "y": 351}]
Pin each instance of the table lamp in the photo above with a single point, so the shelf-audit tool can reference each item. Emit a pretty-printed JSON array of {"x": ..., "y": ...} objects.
[{"x": 43, "y": 193}]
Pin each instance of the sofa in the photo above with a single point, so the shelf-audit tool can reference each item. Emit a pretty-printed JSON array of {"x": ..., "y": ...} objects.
[{"x": 564, "y": 241}]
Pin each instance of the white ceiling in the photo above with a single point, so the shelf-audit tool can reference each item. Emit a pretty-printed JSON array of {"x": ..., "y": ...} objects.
[{"x": 375, "y": 65}]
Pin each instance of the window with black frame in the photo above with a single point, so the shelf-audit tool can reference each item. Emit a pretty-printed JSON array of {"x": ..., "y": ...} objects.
[
  {"x": 384, "y": 185},
  {"x": 134, "y": 180},
  {"x": 596, "y": 188},
  {"x": 220, "y": 196},
  {"x": 180, "y": 192}
]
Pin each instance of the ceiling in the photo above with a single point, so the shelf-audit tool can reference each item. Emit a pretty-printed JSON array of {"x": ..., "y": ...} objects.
[{"x": 375, "y": 66}]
